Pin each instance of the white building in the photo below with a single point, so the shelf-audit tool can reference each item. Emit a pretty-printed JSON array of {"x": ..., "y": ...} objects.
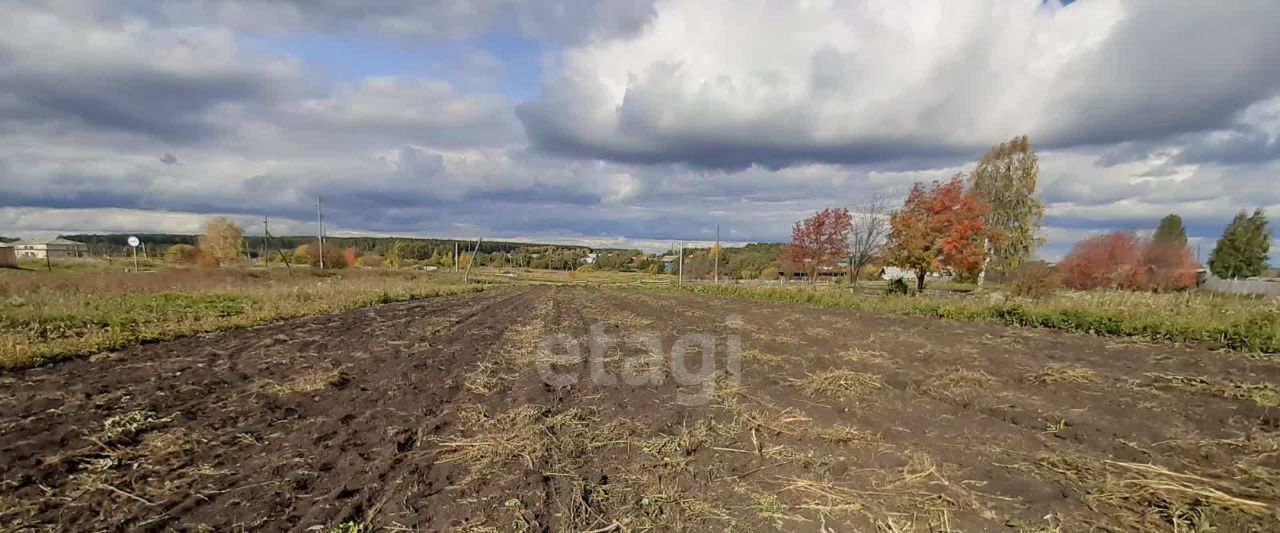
[
  {"x": 54, "y": 249},
  {"x": 890, "y": 273}
]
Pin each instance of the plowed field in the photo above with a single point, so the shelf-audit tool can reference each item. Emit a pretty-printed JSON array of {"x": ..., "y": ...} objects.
[{"x": 473, "y": 413}]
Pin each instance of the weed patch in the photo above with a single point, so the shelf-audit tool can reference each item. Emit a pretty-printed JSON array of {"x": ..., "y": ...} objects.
[
  {"x": 1236, "y": 323},
  {"x": 47, "y": 317},
  {"x": 1263, "y": 394}
]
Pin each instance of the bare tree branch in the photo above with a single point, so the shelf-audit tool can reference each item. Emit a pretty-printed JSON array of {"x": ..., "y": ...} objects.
[{"x": 869, "y": 231}]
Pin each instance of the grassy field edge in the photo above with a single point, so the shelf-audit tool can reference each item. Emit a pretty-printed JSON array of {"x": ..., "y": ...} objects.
[
  {"x": 1258, "y": 333},
  {"x": 19, "y": 353}
]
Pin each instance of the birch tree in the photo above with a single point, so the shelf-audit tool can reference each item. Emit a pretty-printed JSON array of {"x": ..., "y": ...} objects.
[
  {"x": 1005, "y": 179},
  {"x": 223, "y": 240}
]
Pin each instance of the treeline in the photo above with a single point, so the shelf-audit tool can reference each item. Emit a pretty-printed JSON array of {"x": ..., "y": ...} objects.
[
  {"x": 410, "y": 248},
  {"x": 224, "y": 243},
  {"x": 961, "y": 227},
  {"x": 989, "y": 220},
  {"x": 751, "y": 261}
]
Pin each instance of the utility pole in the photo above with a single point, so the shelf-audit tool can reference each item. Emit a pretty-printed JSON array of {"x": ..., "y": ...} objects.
[
  {"x": 320, "y": 237},
  {"x": 455, "y": 256},
  {"x": 716, "y": 266},
  {"x": 680, "y": 270},
  {"x": 267, "y": 237},
  {"x": 471, "y": 260},
  {"x": 261, "y": 246}
]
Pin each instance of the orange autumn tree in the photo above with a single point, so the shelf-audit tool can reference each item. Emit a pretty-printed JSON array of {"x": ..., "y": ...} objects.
[
  {"x": 940, "y": 228},
  {"x": 820, "y": 239}
]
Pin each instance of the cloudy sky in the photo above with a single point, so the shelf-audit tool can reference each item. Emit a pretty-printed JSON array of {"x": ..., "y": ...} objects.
[{"x": 624, "y": 122}]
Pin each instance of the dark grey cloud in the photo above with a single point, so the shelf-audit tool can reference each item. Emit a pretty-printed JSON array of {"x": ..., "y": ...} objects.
[
  {"x": 1242, "y": 146},
  {"x": 568, "y": 21},
  {"x": 1150, "y": 78},
  {"x": 163, "y": 106},
  {"x": 547, "y": 130}
]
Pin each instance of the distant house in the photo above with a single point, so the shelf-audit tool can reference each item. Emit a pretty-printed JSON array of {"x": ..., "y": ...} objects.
[
  {"x": 890, "y": 273},
  {"x": 668, "y": 262},
  {"x": 54, "y": 249},
  {"x": 590, "y": 259},
  {"x": 8, "y": 257}
]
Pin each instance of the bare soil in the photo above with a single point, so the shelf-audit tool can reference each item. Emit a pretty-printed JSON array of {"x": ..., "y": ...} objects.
[{"x": 433, "y": 416}]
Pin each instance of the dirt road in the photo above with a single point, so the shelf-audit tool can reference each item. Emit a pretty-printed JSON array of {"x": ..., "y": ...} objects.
[{"x": 444, "y": 414}]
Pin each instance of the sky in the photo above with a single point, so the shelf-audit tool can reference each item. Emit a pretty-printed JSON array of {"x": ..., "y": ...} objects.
[{"x": 624, "y": 123}]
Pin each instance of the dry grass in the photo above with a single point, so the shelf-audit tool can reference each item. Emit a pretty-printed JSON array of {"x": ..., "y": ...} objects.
[
  {"x": 133, "y": 460},
  {"x": 488, "y": 444},
  {"x": 627, "y": 319},
  {"x": 960, "y": 385},
  {"x": 841, "y": 434},
  {"x": 1154, "y": 498},
  {"x": 645, "y": 494},
  {"x": 127, "y": 426},
  {"x": 840, "y": 384},
  {"x": 1248, "y": 324},
  {"x": 816, "y": 331},
  {"x": 1263, "y": 394},
  {"x": 48, "y": 316},
  {"x": 487, "y": 378},
  {"x": 680, "y": 445},
  {"x": 760, "y": 357},
  {"x": 769, "y": 507},
  {"x": 863, "y": 356},
  {"x": 1063, "y": 374},
  {"x": 304, "y": 383},
  {"x": 518, "y": 351}
]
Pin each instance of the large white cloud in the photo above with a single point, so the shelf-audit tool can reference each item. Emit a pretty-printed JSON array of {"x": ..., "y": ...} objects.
[{"x": 734, "y": 83}]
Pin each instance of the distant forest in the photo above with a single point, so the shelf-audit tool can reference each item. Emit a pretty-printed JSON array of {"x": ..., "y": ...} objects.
[
  {"x": 411, "y": 248},
  {"x": 749, "y": 261}
]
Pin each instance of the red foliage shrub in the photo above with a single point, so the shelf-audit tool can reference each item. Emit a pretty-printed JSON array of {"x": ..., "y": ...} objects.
[
  {"x": 1170, "y": 266},
  {"x": 1121, "y": 260},
  {"x": 1112, "y": 260}
]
